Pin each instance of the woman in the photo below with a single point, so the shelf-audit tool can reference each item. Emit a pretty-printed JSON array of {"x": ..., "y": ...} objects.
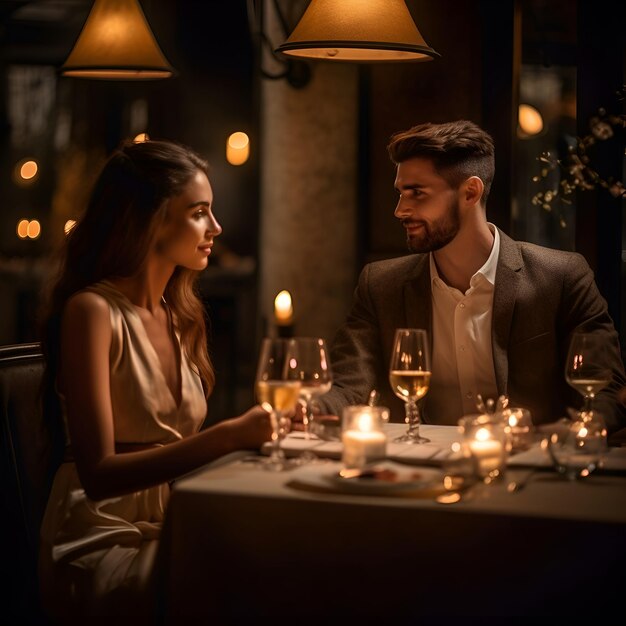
[{"x": 126, "y": 349}]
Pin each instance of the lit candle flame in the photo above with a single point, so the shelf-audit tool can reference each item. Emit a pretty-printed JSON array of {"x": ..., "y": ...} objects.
[
  {"x": 482, "y": 434},
  {"x": 283, "y": 308},
  {"x": 365, "y": 423}
]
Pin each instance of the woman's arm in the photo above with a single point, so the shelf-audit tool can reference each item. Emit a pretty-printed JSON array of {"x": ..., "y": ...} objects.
[{"x": 85, "y": 383}]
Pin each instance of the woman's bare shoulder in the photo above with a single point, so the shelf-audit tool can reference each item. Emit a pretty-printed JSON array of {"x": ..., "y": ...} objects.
[{"x": 86, "y": 306}]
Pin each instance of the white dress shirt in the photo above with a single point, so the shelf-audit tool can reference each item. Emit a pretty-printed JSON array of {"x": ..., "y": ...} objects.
[{"x": 462, "y": 359}]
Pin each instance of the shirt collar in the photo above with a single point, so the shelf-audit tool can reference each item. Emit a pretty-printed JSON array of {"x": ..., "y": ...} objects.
[{"x": 487, "y": 271}]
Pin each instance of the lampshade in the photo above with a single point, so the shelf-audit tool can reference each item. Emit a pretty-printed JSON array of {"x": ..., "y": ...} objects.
[
  {"x": 117, "y": 43},
  {"x": 358, "y": 30}
]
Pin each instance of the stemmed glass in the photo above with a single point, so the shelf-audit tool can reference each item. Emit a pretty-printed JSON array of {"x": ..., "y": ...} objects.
[
  {"x": 277, "y": 390},
  {"x": 584, "y": 370},
  {"x": 409, "y": 376},
  {"x": 314, "y": 373}
]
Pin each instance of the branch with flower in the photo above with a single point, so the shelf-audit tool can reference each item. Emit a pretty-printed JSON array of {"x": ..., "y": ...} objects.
[{"x": 575, "y": 170}]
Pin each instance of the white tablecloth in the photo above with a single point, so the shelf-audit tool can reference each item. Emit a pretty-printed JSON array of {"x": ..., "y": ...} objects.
[{"x": 241, "y": 543}]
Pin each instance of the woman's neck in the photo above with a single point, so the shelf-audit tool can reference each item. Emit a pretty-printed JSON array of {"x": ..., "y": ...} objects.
[{"x": 145, "y": 289}]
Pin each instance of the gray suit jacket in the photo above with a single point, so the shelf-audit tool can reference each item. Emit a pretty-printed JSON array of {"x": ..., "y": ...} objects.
[{"x": 541, "y": 296}]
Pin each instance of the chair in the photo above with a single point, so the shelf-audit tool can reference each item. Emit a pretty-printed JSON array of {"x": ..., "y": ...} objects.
[{"x": 32, "y": 443}]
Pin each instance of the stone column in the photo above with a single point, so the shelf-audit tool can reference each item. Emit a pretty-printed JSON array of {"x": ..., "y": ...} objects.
[{"x": 308, "y": 176}]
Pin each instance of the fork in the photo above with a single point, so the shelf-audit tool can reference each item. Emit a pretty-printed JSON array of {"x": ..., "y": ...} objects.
[{"x": 517, "y": 485}]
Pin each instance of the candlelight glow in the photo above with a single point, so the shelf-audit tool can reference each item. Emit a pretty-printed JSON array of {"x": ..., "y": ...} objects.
[
  {"x": 34, "y": 229},
  {"x": 22, "y": 229},
  {"x": 365, "y": 423},
  {"x": 25, "y": 172},
  {"x": 482, "y": 434},
  {"x": 238, "y": 148},
  {"x": 28, "y": 170},
  {"x": 530, "y": 120},
  {"x": 283, "y": 308},
  {"x": 141, "y": 138},
  {"x": 68, "y": 226},
  {"x": 28, "y": 229}
]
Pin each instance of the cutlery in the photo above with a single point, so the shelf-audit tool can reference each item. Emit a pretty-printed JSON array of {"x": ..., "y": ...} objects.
[
  {"x": 518, "y": 484},
  {"x": 463, "y": 492}
]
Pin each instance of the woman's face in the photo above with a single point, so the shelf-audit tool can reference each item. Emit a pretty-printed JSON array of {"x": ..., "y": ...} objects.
[{"x": 186, "y": 236}]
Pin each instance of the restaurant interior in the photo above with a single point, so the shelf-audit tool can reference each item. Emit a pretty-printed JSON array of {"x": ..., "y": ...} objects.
[{"x": 296, "y": 146}]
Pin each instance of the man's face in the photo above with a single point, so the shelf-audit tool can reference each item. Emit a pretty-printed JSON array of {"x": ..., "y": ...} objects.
[{"x": 428, "y": 207}]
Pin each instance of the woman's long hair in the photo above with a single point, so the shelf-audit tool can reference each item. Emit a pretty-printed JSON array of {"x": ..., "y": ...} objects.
[{"x": 113, "y": 236}]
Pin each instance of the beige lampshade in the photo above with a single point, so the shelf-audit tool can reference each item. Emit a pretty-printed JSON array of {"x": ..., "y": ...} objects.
[
  {"x": 358, "y": 30},
  {"x": 116, "y": 43}
]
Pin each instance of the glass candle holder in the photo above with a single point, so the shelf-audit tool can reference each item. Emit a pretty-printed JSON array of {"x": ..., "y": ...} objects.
[
  {"x": 486, "y": 438},
  {"x": 519, "y": 428},
  {"x": 577, "y": 447},
  {"x": 362, "y": 435}
]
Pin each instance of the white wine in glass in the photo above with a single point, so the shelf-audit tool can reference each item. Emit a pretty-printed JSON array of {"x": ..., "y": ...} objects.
[
  {"x": 584, "y": 370},
  {"x": 277, "y": 390},
  {"x": 409, "y": 377}
]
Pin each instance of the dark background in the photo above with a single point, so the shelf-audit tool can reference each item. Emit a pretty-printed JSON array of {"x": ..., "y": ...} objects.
[{"x": 486, "y": 47}]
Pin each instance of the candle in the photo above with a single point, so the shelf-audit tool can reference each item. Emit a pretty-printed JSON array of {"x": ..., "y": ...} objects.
[
  {"x": 519, "y": 428},
  {"x": 283, "y": 313},
  {"x": 361, "y": 448},
  {"x": 488, "y": 455},
  {"x": 362, "y": 436},
  {"x": 486, "y": 439}
]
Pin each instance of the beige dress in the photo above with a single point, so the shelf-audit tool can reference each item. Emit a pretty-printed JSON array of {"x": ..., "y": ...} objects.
[{"x": 94, "y": 555}]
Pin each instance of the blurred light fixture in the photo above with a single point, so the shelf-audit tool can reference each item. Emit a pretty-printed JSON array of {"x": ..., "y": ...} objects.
[
  {"x": 25, "y": 172},
  {"x": 237, "y": 148},
  {"x": 22, "y": 229},
  {"x": 116, "y": 43},
  {"x": 34, "y": 229},
  {"x": 529, "y": 121},
  {"x": 358, "y": 30},
  {"x": 28, "y": 169},
  {"x": 69, "y": 224},
  {"x": 28, "y": 229},
  {"x": 141, "y": 138}
]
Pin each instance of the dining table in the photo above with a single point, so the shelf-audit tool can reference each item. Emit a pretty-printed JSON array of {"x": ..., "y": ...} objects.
[{"x": 241, "y": 543}]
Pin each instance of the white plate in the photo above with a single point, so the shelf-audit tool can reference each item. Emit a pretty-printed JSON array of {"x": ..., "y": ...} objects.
[{"x": 386, "y": 479}]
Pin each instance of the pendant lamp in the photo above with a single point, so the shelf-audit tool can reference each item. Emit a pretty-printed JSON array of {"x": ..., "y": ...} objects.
[
  {"x": 358, "y": 30},
  {"x": 116, "y": 43}
]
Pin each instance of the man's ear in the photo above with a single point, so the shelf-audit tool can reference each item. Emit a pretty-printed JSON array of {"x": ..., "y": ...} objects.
[{"x": 472, "y": 190}]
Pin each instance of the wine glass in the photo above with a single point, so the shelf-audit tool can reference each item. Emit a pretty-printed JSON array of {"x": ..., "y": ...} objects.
[
  {"x": 277, "y": 390},
  {"x": 313, "y": 372},
  {"x": 584, "y": 370},
  {"x": 577, "y": 447},
  {"x": 409, "y": 376}
]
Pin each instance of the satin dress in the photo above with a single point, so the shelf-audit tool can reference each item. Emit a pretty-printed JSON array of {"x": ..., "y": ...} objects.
[{"x": 95, "y": 556}]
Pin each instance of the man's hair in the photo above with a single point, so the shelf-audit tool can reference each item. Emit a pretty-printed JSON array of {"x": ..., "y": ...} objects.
[{"x": 457, "y": 150}]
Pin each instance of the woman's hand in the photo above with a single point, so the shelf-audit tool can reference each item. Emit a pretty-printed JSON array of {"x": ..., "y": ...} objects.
[{"x": 253, "y": 428}]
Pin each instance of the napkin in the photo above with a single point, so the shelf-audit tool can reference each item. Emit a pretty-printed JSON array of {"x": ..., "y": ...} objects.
[
  {"x": 613, "y": 461},
  {"x": 412, "y": 451}
]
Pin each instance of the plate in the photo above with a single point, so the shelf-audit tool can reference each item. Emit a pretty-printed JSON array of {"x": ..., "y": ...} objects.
[{"x": 384, "y": 478}]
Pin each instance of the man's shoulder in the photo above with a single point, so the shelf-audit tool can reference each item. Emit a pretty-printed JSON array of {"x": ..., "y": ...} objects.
[
  {"x": 395, "y": 265},
  {"x": 549, "y": 258}
]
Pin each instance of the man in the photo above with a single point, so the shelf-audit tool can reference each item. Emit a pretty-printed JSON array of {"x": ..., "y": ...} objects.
[{"x": 499, "y": 313}]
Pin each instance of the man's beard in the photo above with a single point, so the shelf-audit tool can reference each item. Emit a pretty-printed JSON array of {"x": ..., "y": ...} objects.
[{"x": 438, "y": 234}]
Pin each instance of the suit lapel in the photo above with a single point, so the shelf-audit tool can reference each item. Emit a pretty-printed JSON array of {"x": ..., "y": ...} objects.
[
  {"x": 505, "y": 293},
  {"x": 417, "y": 298}
]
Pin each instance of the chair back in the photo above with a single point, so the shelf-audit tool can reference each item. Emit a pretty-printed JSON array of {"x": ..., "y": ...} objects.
[{"x": 32, "y": 441}]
